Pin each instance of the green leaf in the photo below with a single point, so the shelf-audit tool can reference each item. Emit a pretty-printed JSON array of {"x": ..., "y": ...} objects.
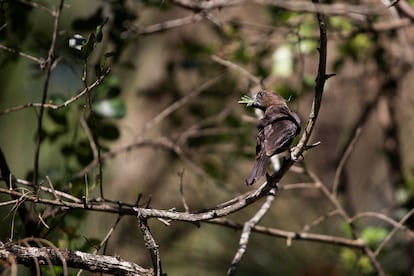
[
  {"x": 88, "y": 47},
  {"x": 108, "y": 132},
  {"x": 373, "y": 235},
  {"x": 98, "y": 30},
  {"x": 341, "y": 23},
  {"x": 110, "y": 108},
  {"x": 246, "y": 100},
  {"x": 100, "y": 68}
]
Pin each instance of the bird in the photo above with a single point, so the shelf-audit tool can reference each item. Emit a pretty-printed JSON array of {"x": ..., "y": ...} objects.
[{"x": 276, "y": 130}]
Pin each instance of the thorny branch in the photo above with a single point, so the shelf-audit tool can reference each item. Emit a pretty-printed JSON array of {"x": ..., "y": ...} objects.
[
  {"x": 209, "y": 216},
  {"x": 151, "y": 244},
  {"x": 75, "y": 259}
]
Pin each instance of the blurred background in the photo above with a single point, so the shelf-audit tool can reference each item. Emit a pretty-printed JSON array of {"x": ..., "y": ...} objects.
[{"x": 167, "y": 117}]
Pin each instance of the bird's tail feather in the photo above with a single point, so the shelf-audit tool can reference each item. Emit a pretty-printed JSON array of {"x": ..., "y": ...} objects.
[{"x": 258, "y": 170}]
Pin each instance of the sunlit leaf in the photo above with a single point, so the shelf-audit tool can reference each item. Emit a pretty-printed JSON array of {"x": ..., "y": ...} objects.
[
  {"x": 282, "y": 61},
  {"x": 373, "y": 235},
  {"x": 110, "y": 108}
]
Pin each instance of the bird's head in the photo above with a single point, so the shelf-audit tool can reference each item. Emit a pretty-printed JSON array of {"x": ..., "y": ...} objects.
[{"x": 263, "y": 100}]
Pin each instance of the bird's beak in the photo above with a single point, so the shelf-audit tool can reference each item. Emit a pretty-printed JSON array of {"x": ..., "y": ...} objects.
[{"x": 249, "y": 101}]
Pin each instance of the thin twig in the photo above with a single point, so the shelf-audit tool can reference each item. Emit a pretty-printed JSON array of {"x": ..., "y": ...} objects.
[
  {"x": 297, "y": 6},
  {"x": 247, "y": 229},
  {"x": 181, "y": 176},
  {"x": 393, "y": 231},
  {"x": 160, "y": 142},
  {"x": 238, "y": 68},
  {"x": 49, "y": 190},
  {"x": 104, "y": 242},
  {"x": 89, "y": 134},
  {"x": 38, "y": 6},
  {"x": 49, "y": 63},
  {"x": 345, "y": 216},
  {"x": 176, "y": 105},
  {"x": 397, "y": 225},
  {"x": 290, "y": 235},
  {"x": 58, "y": 106},
  {"x": 319, "y": 88},
  {"x": 162, "y": 26},
  {"x": 40, "y": 61},
  {"x": 94, "y": 141},
  {"x": 49, "y": 181},
  {"x": 319, "y": 220},
  {"x": 151, "y": 244},
  {"x": 344, "y": 159},
  {"x": 10, "y": 202}
]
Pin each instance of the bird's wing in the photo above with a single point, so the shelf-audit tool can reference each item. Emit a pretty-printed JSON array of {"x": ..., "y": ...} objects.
[
  {"x": 280, "y": 129},
  {"x": 259, "y": 142}
]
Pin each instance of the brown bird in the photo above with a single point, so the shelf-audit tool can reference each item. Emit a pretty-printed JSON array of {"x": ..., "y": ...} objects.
[{"x": 276, "y": 129}]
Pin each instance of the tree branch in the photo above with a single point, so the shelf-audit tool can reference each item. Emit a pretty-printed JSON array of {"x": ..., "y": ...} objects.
[
  {"x": 247, "y": 229},
  {"x": 74, "y": 259}
]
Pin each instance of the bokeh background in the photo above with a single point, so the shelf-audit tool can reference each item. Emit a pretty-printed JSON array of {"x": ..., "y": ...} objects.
[{"x": 162, "y": 53}]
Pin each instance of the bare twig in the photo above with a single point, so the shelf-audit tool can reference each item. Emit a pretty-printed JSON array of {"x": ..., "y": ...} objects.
[
  {"x": 7, "y": 177},
  {"x": 345, "y": 216},
  {"x": 151, "y": 244},
  {"x": 160, "y": 142},
  {"x": 38, "y": 6},
  {"x": 393, "y": 231},
  {"x": 355, "y": 11},
  {"x": 75, "y": 259},
  {"x": 241, "y": 70},
  {"x": 104, "y": 242},
  {"x": 60, "y": 194},
  {"x": 49, "y": 63},
  {"x": 319, "y": 87},
  {"x": 319, "y": 220},
  {"x": 289, "y": 235},
  {"x": 397, "y": 225},
  {"x": 247, "y": 229},
  {"x": 40, "y": 61},
  {"x": 88, "y": 133},
  {"x": 10, "y": 202},
  {"x": 176, "y": 105},
  {"x": 298, "y": 6},
  {"x": 181, "y": 176},
  {"x": 58, "y": 106},
  {"x": 163, "y": 26},
  {"x": 94, "y": 139},
  {"x": 344, "y": 159}
]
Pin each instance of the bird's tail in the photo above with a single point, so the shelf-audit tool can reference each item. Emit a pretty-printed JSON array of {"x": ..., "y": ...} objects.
[{"x": 258, "y": 170}]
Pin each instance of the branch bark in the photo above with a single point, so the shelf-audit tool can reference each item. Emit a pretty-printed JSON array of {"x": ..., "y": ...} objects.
[{"x": 74, "y": 259}]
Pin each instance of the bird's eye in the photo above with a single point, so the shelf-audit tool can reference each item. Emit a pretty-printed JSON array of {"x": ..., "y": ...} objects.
[{"x": 260, "y": 94}]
